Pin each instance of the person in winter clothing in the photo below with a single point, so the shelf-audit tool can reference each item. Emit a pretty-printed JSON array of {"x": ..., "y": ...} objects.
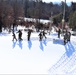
[
  {"x": 44, "y": 34},
  {"x": 29, "y": 34},
  {"x": 65, "y": 37},
  {"x": 69, "y": 35},
  {"x": 20, "y": 35},
  {"x": 14, "y": 36},
  {"x": 40, "y": 36},
  {"x": 59, "y": 31}
]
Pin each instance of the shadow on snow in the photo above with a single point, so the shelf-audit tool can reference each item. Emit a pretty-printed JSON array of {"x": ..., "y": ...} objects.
[
  {"x": 4, "y": 34},
  {"x": 44, "y": 42},
  {"x": 58, "y": 41},
  {"x": 41, "y": 46},
  {"x": 14, "y": 44},
  {"x": 19, "y": 44},
  {"x": 69, "y": 49},
  {"x": 29, "y": 44},
  {"x": 67, "y": 63}
]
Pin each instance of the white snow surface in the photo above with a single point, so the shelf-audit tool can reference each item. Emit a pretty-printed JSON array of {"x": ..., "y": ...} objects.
[{"x": 34, "y": 57}]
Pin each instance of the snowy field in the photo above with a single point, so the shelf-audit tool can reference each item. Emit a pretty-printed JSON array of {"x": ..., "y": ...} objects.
[{"x": 49, "y": 56}]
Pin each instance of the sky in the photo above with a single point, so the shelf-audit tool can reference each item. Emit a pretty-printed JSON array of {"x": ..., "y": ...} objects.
[
  {"x": 68, "y": 2},
  {"x": 58, "y": 1}
]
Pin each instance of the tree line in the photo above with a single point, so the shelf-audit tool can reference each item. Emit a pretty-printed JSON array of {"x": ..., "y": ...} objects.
[{"x": 12, "y": 12}]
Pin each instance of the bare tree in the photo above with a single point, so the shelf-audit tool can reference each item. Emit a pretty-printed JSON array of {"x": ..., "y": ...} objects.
[{"x": 18, "y": 12}]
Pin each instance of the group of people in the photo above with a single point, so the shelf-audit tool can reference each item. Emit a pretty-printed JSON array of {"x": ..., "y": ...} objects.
[
  {"x": 67, "y": 36},
  {"x": 41, "y": 35},
  {"x": 19, "y": 35}
]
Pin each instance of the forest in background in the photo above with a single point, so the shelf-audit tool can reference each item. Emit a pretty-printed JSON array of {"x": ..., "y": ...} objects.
[{"x": 12, "y": 10}]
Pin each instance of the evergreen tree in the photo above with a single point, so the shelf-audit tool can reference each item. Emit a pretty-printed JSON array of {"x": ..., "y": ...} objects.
[{"x": 72, "y": 20}]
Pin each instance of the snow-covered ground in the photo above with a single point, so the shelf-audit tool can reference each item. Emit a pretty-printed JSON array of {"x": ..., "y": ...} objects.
[{"x": 49, "y": 56}]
